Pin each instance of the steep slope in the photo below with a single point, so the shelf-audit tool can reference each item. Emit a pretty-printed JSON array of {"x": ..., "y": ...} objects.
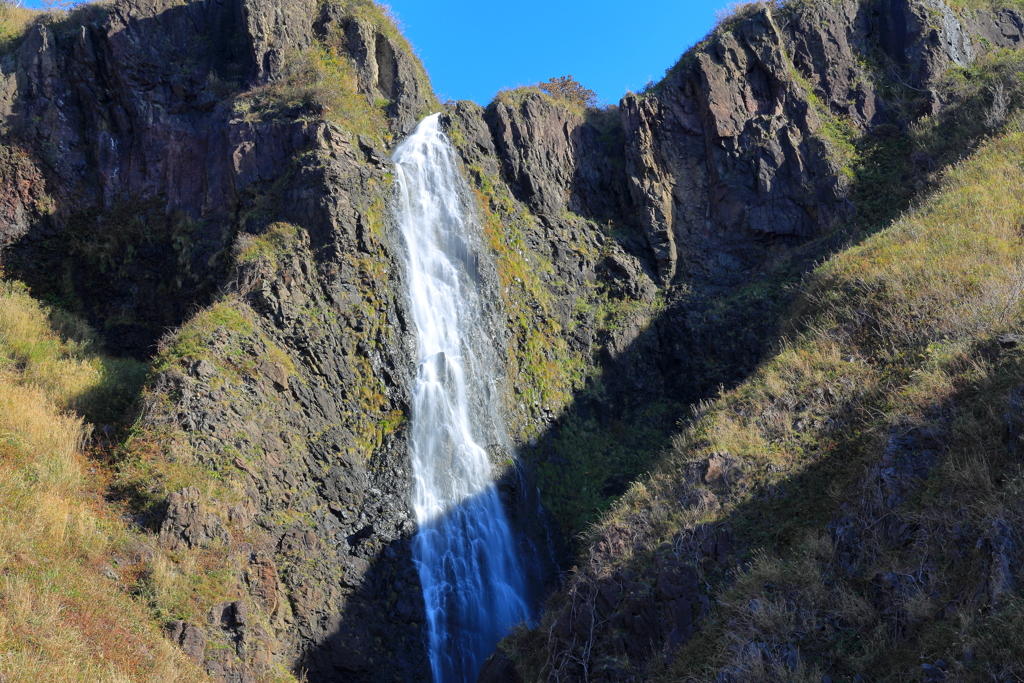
[
  {"x": 754, "y": 530},
  {"x": 226, "y": 217},
  {"x": 896, "y": 394},
  {"x": 265, "y": 458},
  {"x": 64, "y": 615},
  {"x": 663, "y": 237}
]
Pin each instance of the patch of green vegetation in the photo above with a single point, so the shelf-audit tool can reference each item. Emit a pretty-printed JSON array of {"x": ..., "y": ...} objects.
[
  {"x": 225, "y": 324},
  {"x": 264, "y": 250},
  {"x": 562, "y": 90},
  {"x": 541, "y": 367},
  {"x": 318, "y": 81},
  {"x": 392, "y": 422},
  {"x": 513, "y": 98},
  {"x": 899, "y": 331},
  {"x": 14, "y": 23},
  {"x": 225, "y": 335}
]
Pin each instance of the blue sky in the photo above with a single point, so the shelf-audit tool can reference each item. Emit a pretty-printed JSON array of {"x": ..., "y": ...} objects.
[{"x": 473, "y": 48}]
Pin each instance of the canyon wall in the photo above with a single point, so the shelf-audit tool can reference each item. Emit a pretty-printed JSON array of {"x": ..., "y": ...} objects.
[{"x": 173, "y": 175}]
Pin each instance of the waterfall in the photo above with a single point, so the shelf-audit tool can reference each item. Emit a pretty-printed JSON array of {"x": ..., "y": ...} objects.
[{"x": 473, "y": 583}]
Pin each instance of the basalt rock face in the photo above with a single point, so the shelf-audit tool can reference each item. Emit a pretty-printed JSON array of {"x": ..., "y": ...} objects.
[
  {"x": 557, "y": 176},
  {"x": 129, "y": 117},
  {"x": 729, "y": 157},
  {"x": 556, "y": 160},
  {"x": 133, "y": 190},
  {"x": 327, "y": 564},
  {"x": 385, "y": 67},
  {"x": 728, "y": 160}
]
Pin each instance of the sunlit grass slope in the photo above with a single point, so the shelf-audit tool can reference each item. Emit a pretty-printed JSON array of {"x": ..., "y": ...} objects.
[
  {"x": 912, "y": 329},
  {"x": 63, "y": 613},
  {"x": 901, "y": 331}
]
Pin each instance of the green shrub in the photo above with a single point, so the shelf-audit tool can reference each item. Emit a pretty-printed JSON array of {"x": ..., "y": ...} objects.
[
  {"x": 569, "y": 90},
  {"x": 14, "y": 22},
  {"x": 320, "y": 82}
]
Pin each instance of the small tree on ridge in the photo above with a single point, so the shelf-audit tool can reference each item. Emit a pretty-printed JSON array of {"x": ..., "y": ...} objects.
[{"x": 569, "y": 89}]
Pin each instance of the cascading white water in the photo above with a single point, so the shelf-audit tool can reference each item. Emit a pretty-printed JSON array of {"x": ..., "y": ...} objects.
[{"x": 473, "y": 583}]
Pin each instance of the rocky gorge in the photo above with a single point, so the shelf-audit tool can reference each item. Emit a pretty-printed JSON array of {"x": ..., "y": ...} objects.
[{"x": 208, "y": 185}]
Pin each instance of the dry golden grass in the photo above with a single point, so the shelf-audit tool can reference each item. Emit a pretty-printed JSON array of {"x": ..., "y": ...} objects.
[
  {"x": 888, "y": 332},
  {"x": 14, "y": 19},
  {"x": 61, "y": 619},
  {"x": 898, "y": 330},
  {"x": 38, "y": 354},
  {"x": 56, "y": 352}
]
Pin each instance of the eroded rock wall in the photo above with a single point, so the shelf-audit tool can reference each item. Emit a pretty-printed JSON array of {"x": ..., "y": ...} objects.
[
  {"x": 617, "y": 232},
  {"x": 141, "y": 196},
  {"x": 128, "y": 112}
]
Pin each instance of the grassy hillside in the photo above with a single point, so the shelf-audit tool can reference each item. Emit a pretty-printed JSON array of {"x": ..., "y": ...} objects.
[
  {"x": 906, "y": 333},
  {"x": 86, "y": 588},
  {"x": 869, "y": 471},
  {"x": 65, "y": 555}
]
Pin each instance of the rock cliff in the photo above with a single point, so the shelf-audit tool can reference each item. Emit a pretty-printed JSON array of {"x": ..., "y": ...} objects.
[
  {"x": 144, "y": 186},
  {"x": 740, "y": 167},
  {"x": 209, "y": 184}
]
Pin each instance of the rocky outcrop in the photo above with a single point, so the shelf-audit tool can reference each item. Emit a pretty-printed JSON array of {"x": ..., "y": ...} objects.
[
  {"x": 925, "y": 38},
  {"x": 136, "y": 152},
  {"x": 23, "y": 198},
  {"x": 136, "y": 191},
  {"x": 190, "y": 638},
  {"x": 735, "y": 152},
  {"x": 276, "y": 29},
  {"x": 139, "y": 190},
  {"x": 386, "y": 67},
  {"x": 729, "y": 156},
  {"x": 826, "y": 41},
  {"x": 555, "y": 159},
  {"x": 186, "y": 524},
  {"x": 332, "y": 574}
]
